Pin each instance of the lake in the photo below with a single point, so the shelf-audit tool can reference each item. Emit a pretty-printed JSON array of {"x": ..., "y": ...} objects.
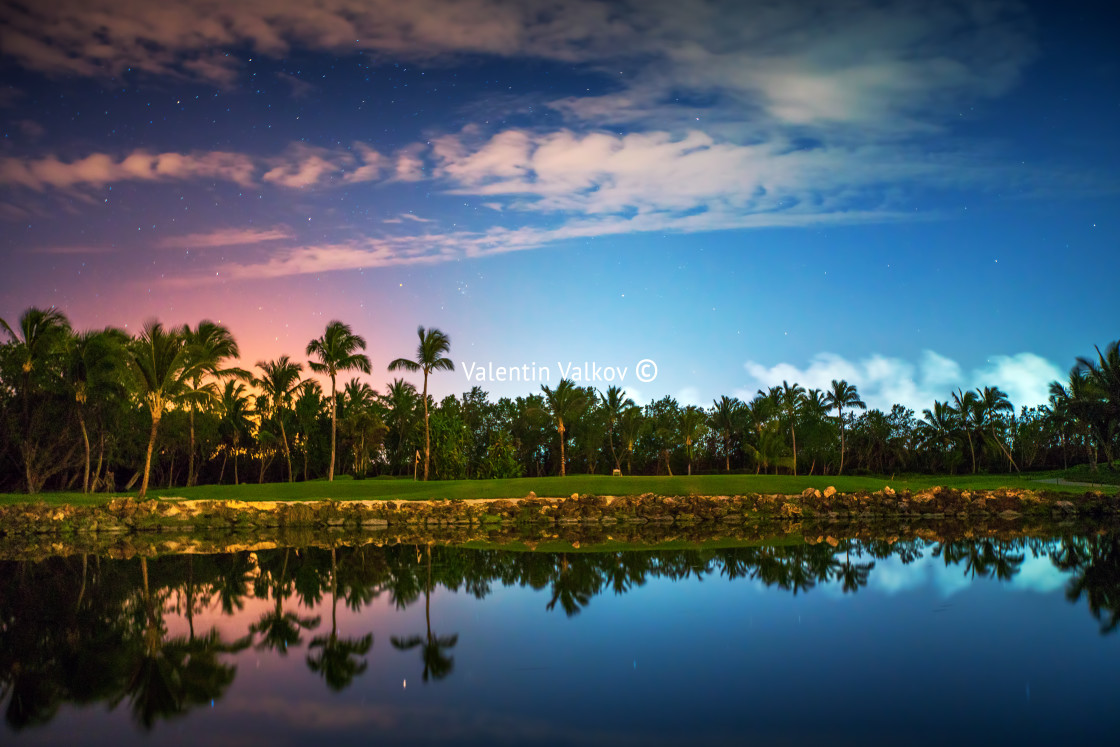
[{"x": 917, "y": 639}]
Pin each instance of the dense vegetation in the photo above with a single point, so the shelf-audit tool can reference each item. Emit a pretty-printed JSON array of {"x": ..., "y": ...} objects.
[{"x": 103, "y": 410}]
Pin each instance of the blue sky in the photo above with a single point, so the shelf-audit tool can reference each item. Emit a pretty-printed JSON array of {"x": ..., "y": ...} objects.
[{"x": 914, "y": 196}]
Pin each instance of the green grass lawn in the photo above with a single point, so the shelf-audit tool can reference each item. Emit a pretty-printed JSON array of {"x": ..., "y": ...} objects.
[{"x": 407, "y": 489}]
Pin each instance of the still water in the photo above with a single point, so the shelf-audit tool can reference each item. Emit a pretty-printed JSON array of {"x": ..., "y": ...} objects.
[{"x": 844, "y": 641}]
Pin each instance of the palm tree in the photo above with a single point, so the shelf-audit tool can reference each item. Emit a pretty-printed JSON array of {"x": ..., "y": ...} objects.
[
  {"x": 235, "y": 410},
  {"x": 94, "y": 363},
  {"x": 691, "y": 426},
  {"x": 937, "y": 426},
  {"x": 209, "y": 344},
  {"x": 790, "y": 398},
  {"x": 1073, "y": 403},
  {"x": 336, "y": 351},
  {"x": 308, "y": 406},
  {"x": 992, "y": 401},
  {"x": 727, "y": 413},
  {"x": 40, "y": 334},
  {"x": 614, "y": 402},
  {"x": 965, "y": 410},
  {"x": 563, "y": 402},
  {"x": 841, "y": 395},
  {"x": 161, "y": 362},
  {"x": 280, "y": 379},
  {"x": 630, "y": 425},
  {"x": 401, "y": 399},
  {"x": 429, "y": 357},
  {"x": 1103, "y": 376}
]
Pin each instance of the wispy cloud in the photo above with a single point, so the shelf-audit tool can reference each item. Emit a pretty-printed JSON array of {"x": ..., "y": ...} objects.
[
  {"x": 856, "y": 62},
  {"x": 98, "y": 169},
  {"x": 883, "y": 381},
  {"x": 227, "y": 237}
]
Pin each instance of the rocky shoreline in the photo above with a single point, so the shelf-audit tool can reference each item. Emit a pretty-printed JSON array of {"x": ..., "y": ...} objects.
[{"x": 127, "y": 515}]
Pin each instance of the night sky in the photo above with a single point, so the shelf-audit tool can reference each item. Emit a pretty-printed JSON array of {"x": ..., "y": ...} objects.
[{"x": 913, "y": 196}]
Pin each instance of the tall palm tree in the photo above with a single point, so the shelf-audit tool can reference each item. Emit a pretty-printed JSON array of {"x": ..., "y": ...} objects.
[
  {"x": 991, "y": 402},
  {"x": 95, "y": 360},
  {"x": 841, "y": 395},
  {"x": 691, "y": 426},
  {"x": 1072, "y": 403},
  {"x": 429, "y": 357},
  {"x": 1103, "y": 376},
  {"x": 630, "y": 425},
  {"x": 337, "y": 351},
  {"x": 235, "y": 409},
  {"x": 279, "y": 380},
  {"x": 563, "y": 403},
  {"x": 937, "y": 427},
  {"x": 209, "y": 346},
  {"x": 965, "y": 411},
  {"x": 727, "y": 415},
  {"x": 402, "y": 400},
  {"x": 614, "y": 402},
  {"x": 308, "y": 406},
  {"x": 161, "y": 362},
  {"x": 791, "y": 397},
  {"x": 38, "y": 338}
]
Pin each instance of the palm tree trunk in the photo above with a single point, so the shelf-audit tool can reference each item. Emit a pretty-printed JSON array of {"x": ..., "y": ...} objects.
[
  {"x": 971, "y": 450},
  {"x": 222, "y": 474},
  {"x": 427, "y": 430},
  {"x": 1004, "y": 450},
  {"x": 190, "y": 459},
  {"x": 793, "y": 435},
  {"x": 100, "y": 459},
  {"x": 334, "y": 416},
  {"x": 562, "y": 473},
  {"x": 841, "y": 412},
  {"x": 284, "y": 437},
  {"x": 85, "y": 443},
  {"x": 148, "y": 459}
]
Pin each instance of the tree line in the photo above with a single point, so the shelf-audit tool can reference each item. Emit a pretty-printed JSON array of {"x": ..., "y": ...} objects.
[{"x": 104, "y": 410}]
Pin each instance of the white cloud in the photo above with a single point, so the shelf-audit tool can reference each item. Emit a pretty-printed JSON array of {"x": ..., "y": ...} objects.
[{"x": 883, "y": 381}]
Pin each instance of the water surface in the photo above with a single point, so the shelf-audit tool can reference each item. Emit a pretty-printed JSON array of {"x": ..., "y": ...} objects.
[{"x": 853, "y": 642}]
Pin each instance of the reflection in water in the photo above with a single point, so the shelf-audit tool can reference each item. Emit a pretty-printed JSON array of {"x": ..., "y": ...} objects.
[{"x": 86, "y": 629}]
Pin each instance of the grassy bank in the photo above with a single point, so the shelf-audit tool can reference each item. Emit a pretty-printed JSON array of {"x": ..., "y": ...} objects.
[{"x": 554, "y": 487}]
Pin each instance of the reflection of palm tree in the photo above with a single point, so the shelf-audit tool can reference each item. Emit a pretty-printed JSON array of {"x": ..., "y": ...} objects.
[
  {"x": 336, "y": 661},
  {"x": 279, "y": 629},
  {"x": 436, "y": 663},
  {"x": 1094, "y": 564},
  {"x": 168, "y": 677},
  {"x": 570, "y": 588}
]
